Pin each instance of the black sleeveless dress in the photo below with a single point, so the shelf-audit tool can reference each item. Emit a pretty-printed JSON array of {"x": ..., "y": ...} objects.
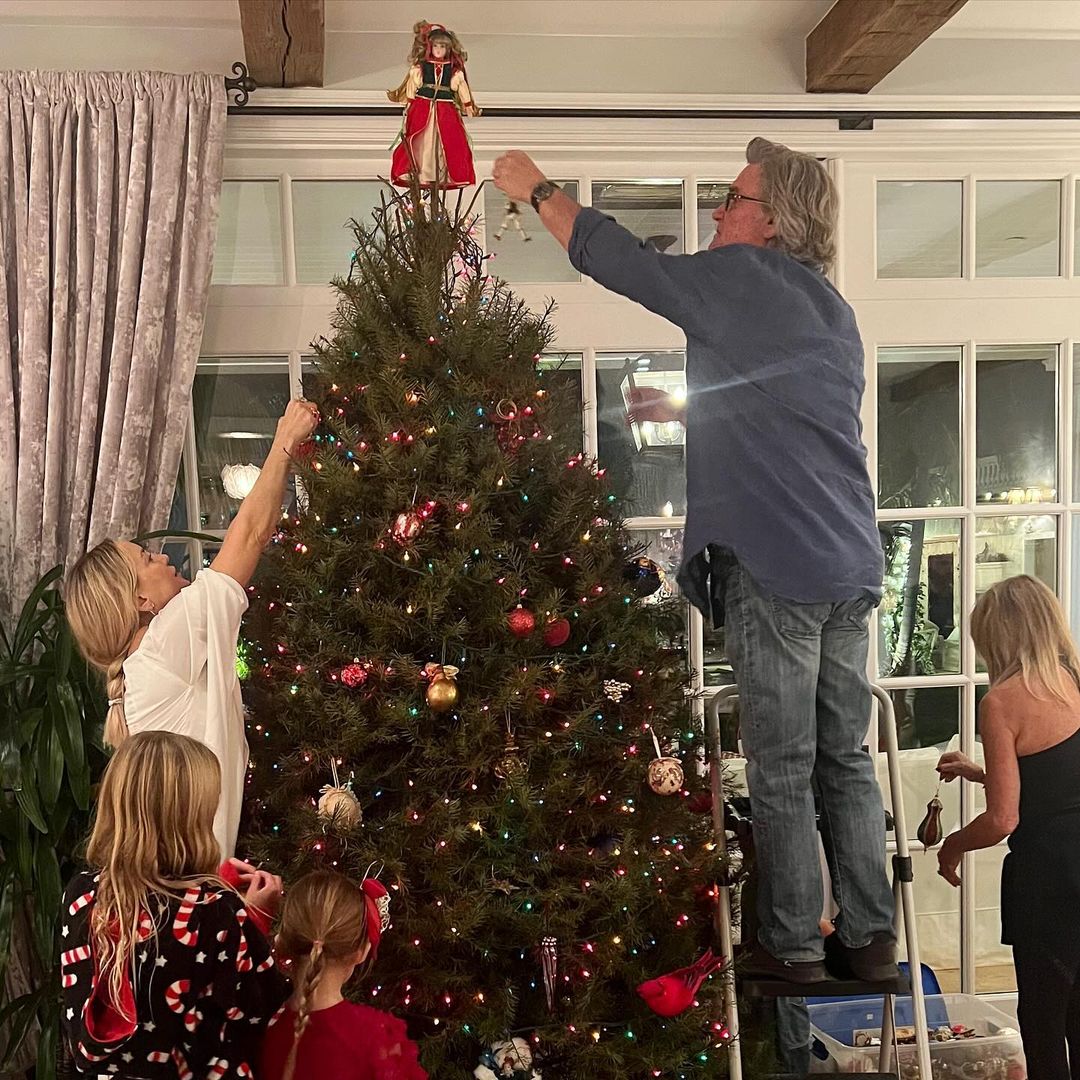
[{"x": 1040, "y": 877}]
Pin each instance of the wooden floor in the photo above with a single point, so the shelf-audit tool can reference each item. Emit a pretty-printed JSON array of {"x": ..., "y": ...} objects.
[{"x": 989, "y": 979}]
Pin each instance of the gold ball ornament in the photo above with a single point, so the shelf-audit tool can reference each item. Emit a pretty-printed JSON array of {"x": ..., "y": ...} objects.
[
  {"x": 338, "y": 806},
  {"x": 665, "y": 775},
  {"x": 442, "y": 691}
]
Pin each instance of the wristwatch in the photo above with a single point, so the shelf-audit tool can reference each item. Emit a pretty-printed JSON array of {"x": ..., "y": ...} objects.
[{"x": 544, "y": 190}]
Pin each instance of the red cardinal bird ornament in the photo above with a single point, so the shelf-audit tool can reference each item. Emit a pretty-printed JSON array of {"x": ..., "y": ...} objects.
[{"x": 674, "y": 993}]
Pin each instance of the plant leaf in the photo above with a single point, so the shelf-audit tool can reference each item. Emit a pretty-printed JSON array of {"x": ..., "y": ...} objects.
[
  {"x": 64, "y": 648},
  {"x": 49, "y": 891},
  {"x": 24, "y": 630},
  {"x": 50, "y": 765},
  {"x": 47, "y": 1042},
  {"x": 7, "y": 910},
  {"x": 26, "y": 794},
  {"x": 20, "y": 1015},
  {"x": 67, "y": 720}
]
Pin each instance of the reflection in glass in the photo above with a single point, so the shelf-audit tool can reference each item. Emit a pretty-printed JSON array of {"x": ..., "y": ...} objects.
[
  {"x": 236, "y": 404},
  {"x": 919, "y": 426},
  {"x": 1016, "y": 423},
  {"x": 919, "y": 228},
  {"x": 562, "y": 372},
  {"x": 1007, "y": 546},
  {"x": 1076, "y": 413},
  {"x": 248, "y": 250},
  {"x": 664, "y": 547},
  {"x": 1016, "y": 228},
  {"x": 515, "y": 260},
  {"x": 919, "y": 623},
  {"x": 646, "y": 462},
  {"x": 650, "y": 209},
  {"x": 710, "y": 194},
  {"x": 322, "y": 235}
]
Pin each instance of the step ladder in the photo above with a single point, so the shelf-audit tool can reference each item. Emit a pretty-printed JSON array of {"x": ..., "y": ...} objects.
[{"x": 902, "y": 889}]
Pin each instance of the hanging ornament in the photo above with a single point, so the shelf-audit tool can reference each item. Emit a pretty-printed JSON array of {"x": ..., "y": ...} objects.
[
  {"x": 338, "y": 806},
  {"x": 243, "y": 661},
  {"x": 549, "y": 961},
  {"x": 700, "y": 803},
  {"x": 354, "y": 675},
  {"x": 407, "y": 527},
  {"x": 929, "y": 832},
  {"x": 665, "y": 773},
  {"x": 511, "y": 766},
  {"x": 674, "y": 993},
  {"x": 643, "y": 577},
  {"x": 521, "y": 621},
  {"x": 615, "y": 690},
  {"x": 442, "y": 691},
  {"x": 556, "y": 633}
]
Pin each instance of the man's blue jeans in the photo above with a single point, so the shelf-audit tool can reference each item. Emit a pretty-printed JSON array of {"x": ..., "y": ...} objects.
[{"x": 804, "y": 706}]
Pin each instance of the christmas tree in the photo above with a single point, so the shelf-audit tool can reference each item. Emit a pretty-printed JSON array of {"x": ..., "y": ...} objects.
[{"x": 456, "y": 676}]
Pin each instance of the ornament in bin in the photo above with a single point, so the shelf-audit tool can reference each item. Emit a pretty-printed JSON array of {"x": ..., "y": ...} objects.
[
  {"x": 442, "y": 691},
  {"x": 643, "y": 577},
  {"x": 665, "y": 772},
  {"x": 338, "y": 806},
  {"x": 557, "y": 633},
  {"x": 521, "y": 621},
  {"x": 674, "y": 993}
]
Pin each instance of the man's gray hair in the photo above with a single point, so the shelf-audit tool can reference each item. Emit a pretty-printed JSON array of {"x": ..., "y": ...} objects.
[{"x": 803, "y": 199}]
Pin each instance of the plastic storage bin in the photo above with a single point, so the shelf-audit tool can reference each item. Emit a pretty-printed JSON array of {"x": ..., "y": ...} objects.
[{"x": 994, "y": 1053}]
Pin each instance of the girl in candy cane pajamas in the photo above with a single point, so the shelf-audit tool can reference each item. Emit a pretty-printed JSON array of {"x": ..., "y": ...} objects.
[{"x": 166, "y": 970}]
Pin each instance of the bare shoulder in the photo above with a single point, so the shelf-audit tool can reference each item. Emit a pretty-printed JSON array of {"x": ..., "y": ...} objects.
[{"x": 1006, "y": 703}]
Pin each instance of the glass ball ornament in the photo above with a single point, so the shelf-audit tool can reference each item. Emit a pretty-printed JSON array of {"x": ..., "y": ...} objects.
[{"x": 665, "y": 775}]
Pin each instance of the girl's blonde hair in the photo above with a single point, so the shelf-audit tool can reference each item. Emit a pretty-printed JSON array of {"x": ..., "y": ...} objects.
[
  {"x": 803, "y": 199},
  {"x": 324, "y": 917},
  {"x": 153, "y": 834},
  {"x": 101, "y": 599},
  {"x": 1019, "y": 628}
]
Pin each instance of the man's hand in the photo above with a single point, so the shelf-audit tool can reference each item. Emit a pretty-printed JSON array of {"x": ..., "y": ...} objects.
[{"x": 516, "y": 174}]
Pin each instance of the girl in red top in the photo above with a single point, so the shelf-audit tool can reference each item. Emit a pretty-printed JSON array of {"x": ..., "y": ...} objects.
[{"x": 329, "y": 926}]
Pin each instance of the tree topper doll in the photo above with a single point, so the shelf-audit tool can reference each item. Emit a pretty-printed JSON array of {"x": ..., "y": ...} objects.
[{"x": 433, "y": 144}]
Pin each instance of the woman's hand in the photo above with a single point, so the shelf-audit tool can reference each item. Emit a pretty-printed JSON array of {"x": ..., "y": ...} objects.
[
  {"x": 949, "y": 861},
  {"x": 264, "y": 892},
  {"x": 954, "y": 764},
  {"x": 297, "y": 425}
]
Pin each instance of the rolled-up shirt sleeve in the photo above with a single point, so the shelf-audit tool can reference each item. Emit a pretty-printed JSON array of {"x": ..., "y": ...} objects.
[{"x": 670, "y": 285}]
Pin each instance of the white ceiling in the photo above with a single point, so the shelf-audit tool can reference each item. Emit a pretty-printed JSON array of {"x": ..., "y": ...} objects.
[{"x": 680, "y": 46}]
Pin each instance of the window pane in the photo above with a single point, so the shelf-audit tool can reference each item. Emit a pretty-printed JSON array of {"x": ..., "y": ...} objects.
[
  {"x": 1074, "y": 614},
  {"x": 1016, "y": 423},
  {"x": 919, "y": 228},
  {"x": 1076, "y": 414},
  {"x": 1016, "y": 228},
  {"x": 919, "y": 625},
  {"x": 710, "y": 194},
  {"x": 564, "y": 371},
  {"x": 651, "y": 210},
  {"x": 1006, "y": 546},
  {"x": 994, "y": 971},
  {"x": 237, "y": 403},
  {"x": 248, "y": 248},
  {"x": 540, "y": 258},
  {"x": 323, "y": 237},
  {"x": 919, "y": 426},
  {"x": 644, "y": 460}
]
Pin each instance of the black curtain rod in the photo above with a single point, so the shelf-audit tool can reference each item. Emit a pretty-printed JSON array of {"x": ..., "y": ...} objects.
[{"x": 242, "y": 85}]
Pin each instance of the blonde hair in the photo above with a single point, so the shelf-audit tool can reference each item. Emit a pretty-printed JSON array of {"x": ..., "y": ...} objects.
[
  {"x": 324, "y": 917},
  {"x": 803, "y": 200},
  {"x": 153, "y": 834},
  {"x": 1019, "y": 628},
  {"x": 101, "y": 599}
]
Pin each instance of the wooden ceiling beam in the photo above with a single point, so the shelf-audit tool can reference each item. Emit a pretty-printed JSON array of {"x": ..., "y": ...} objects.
[
  {"x": 860, "y": 41},
  {"x": 284, "y": 41}
]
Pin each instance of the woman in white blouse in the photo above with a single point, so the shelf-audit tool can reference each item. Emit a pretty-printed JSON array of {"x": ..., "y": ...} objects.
[{"x": 167, "y": 647}]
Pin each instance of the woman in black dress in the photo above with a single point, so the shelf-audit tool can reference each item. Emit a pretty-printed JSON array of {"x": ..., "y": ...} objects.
[{"x": 1030, "y": 728}]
